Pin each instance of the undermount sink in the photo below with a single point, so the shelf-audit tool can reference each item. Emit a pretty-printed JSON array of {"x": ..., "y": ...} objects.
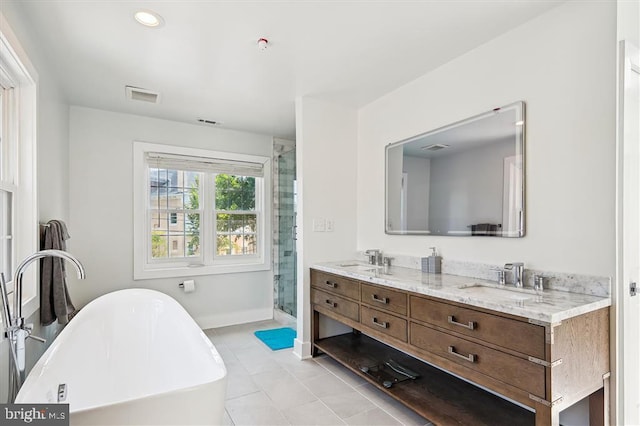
[
  {"x": 511, "y": 293},
  {"x": 359, "y": 267}
]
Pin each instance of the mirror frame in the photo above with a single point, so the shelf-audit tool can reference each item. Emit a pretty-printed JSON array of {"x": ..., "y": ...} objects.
[{"x": 520, "y": 151}]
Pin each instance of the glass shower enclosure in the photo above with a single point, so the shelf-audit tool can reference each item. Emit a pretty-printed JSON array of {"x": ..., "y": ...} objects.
[{"x": 285, "y": 270}]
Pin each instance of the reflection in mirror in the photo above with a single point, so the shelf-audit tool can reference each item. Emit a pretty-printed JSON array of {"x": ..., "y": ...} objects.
[{"x": 463, "y": 179}]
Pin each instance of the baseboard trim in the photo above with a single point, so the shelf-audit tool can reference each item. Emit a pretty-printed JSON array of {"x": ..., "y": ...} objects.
[
  {"x": 302, "y": 349},
  {"x": 234, "y": 318},
  {"x": 284, "y": 318}
]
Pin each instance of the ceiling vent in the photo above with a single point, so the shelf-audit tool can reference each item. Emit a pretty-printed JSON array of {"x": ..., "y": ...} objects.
[
  {"x": 209, "y": 122},
  {"x": 435, "y": 147},
  {"x": 140, "y": 94}
]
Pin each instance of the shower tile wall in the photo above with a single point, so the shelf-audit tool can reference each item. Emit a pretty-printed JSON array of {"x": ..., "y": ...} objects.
[{"x": 284, "y": 227}]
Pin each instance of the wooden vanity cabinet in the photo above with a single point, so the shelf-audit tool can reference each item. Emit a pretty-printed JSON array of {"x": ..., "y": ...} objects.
[{"x": 545, "y": 367}]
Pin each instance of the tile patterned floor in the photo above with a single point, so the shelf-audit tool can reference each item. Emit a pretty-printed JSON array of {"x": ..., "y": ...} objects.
[{"x": 268, "y": 387}]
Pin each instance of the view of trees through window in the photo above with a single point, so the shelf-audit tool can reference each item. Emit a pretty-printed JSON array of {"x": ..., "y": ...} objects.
[
  {"x": 236, "y": 220},
  {"x": 176, "y": 213}
]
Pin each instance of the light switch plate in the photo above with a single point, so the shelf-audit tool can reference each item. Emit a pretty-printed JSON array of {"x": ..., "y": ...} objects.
[
  {"x": 329, "y": 225},
  {"x": 319, "y": 225}
]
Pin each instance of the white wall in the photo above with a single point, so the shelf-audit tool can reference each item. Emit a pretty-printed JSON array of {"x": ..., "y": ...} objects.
[
  {"x": 326, "y": 136},
  {"x": 418, "y": 184},
  {"x": 101, "y": 206},
  {"x": 562, "y": 64},
  {"x": 467, "y": 187}
]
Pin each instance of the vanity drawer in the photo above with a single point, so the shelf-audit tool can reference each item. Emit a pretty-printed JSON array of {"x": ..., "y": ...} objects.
[
  {"x": 336, "y": 304},
  {"x": 384, "y": 298},
  {"x": 335, "y": 284},
  {"x": 509, "y": 369},
  {"x": 384, "y": 323},
  {"x": 509, "y": 333}
]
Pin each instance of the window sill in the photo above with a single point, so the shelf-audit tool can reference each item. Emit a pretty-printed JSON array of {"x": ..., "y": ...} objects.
[{"x": 191, "y": 271}]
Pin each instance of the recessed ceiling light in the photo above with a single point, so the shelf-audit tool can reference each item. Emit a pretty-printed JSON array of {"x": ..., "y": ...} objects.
[{"x": 149, "y": 18}]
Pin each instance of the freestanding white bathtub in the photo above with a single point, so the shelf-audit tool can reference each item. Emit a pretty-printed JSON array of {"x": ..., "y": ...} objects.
[{"x": 132, "y": 357}]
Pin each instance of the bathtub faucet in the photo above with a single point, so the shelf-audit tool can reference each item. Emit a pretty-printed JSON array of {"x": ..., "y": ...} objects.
[{"x": 14, "y": 327}]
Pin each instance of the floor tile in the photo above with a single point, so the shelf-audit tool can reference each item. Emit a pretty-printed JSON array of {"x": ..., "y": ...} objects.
[
  {"x": 347, "y": 404},
  {"x": 268, "y": 387},
  {"x": 327, "y": 384},
  {"x": 239, "y": 385},
  {"x": 269, "y": 379},
  {"x": 374, "y": 417},
  {"x": 226, "y": 419},
  {"x": 289, "y": 394},
  {"x": 304, "y": 370},
  {"x": 396, "y": 409},
  {"x": 255, "y": 409},
  {"x": 341, "y": 371},
  {"x": 313, "y": 413}
]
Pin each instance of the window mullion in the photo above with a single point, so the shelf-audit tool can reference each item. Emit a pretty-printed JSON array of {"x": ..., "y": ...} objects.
[
  {"x": 208, "y": 230},
  {"x": 260, "y": 218}
]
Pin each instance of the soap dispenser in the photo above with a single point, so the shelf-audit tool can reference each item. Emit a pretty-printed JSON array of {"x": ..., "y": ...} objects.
[{"x": 434, "y": 262}]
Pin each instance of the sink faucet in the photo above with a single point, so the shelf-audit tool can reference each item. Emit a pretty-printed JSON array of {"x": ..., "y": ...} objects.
[
  {"x": 14, "y": 327},
  {"x": 375, "y": 256},
  {"x": 518, "y": 272}
]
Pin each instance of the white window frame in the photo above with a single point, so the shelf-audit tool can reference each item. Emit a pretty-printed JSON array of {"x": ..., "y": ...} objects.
[
  {"x": 20, "y": 177},
  {"x": 8, "y": 160},
  {"x": 147, "y": 268}
]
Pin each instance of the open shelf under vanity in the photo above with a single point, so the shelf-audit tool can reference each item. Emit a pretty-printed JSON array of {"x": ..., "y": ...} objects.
[{"x": 435, "y": 394}]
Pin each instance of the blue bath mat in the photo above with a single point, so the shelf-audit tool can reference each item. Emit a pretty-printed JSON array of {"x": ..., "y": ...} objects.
[{"x": 277, "y": 338}]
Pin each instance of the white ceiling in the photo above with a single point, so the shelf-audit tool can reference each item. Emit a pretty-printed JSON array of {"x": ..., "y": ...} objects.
[{"x": 205, "y": 62}]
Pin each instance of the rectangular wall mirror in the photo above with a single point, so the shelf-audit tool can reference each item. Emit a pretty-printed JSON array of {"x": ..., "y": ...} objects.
[{"x": 464, "y": 179}]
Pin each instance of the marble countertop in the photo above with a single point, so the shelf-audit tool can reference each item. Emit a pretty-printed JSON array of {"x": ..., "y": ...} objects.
[{"x": 552, "y": 306}]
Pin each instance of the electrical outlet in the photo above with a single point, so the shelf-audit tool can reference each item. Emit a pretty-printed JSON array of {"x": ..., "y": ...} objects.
[
  {"x": 329, "y": 225},
  {"x": 319, "y": 225}
]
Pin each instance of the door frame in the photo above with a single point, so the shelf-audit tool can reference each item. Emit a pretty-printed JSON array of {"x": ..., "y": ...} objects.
[{"x": 627, "y": 308}]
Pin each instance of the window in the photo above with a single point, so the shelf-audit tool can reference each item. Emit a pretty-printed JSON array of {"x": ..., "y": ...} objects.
[
  {"x": 18, "y": 184},
  {"x": 174, "y": 213},
  {"x": 7, "y": 187},
  {"x": 236, "y": 215},
  {"x": 199, "y": 212}
]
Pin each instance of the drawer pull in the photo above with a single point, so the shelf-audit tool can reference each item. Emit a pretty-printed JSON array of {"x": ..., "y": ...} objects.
[
  {"x": 383, "y": 300},
  {"x": 452, "y": 320},
  {"x": 470, "y": 357},
  {"x": 330, "y": 303},
  {"x": 331, "y": 284},
  {"x": 380, "y": 324}
]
